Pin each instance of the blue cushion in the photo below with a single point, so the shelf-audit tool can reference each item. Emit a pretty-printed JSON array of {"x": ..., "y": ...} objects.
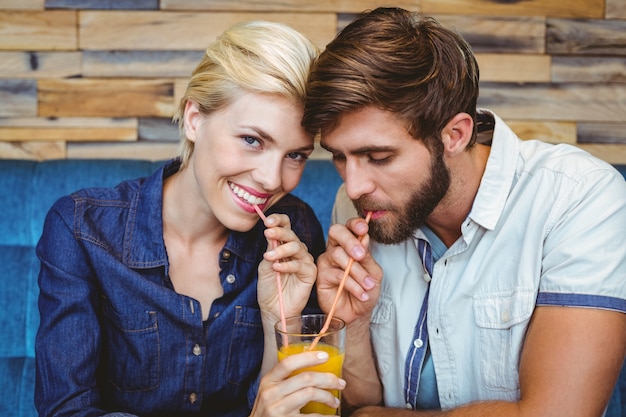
[
  {"x": 318, "y": 187},
  {"x": 17, "y": 379},
  {"x": 19, "y": 315},
  {"x": 16, "y": 188}
]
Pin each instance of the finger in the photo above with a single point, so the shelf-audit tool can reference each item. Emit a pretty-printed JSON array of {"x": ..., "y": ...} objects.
[
  {"x": 277, "y": 220},
  {"x": 289, "y": 250},
  {"x": 281, "y": 234},
  {"x": 292, "y": 363},
  {"x": 340, "y": 236}
]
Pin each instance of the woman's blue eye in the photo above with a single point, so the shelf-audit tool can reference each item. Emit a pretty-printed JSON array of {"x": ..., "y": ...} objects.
[
  {"x": 250, "y": 140},
  {"x": 297, "y": 156}
]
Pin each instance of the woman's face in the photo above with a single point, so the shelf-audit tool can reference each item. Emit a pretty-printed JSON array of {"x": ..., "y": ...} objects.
[{"x": 253, "y": 151}]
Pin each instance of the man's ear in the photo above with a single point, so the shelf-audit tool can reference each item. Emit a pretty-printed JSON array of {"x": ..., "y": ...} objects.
[
  {"x": 192, "y": 117},
  {"x": 457, "y": 133}
]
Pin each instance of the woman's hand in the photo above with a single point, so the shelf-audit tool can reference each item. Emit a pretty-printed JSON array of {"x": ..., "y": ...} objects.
[
  {"x": 290, "y": 257},
  {"x": 282, "y": 395}
]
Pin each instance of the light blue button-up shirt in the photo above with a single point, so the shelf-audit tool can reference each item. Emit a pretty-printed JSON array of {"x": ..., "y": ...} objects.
[{"x": 546, "y": 228}]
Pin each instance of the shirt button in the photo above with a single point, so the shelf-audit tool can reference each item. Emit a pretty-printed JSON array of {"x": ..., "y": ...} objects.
[
  {"x": 193, "y": 397},
  {"x": 230, "y": 278},
  {"x": 506, "y": 316},
  {"x": 197, "y": 350},
  {"x": 418, "y": 343},
  {"x": 226, "y": 254}
]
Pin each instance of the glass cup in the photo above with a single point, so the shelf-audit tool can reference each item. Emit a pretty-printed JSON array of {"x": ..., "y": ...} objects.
[{"x": 300, "y": 333}]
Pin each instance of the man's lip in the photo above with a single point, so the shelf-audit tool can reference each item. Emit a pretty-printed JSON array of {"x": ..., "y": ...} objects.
[{"x": 376, "y": 214}]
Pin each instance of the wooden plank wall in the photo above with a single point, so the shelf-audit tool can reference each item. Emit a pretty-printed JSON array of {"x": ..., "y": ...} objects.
[{"x": 102, "y": 78}]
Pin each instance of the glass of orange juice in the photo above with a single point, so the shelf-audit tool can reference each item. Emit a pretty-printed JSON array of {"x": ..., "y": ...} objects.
[{"x": 300, "y": 333}]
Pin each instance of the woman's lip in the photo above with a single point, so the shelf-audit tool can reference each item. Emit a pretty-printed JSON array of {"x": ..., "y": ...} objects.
[
  {"x": 246, "y": 199},
  {"x": 251, "y": 191}
]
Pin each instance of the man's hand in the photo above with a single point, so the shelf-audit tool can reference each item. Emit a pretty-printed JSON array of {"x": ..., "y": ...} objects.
[{"x": 362, "y": 287}]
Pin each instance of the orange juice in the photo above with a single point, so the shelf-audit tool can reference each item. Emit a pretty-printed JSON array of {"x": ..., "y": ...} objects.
[{"x": 333, "y": 365}]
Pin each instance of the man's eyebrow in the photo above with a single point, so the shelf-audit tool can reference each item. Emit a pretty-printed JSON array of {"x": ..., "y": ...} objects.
[{"x": 362, "y": 150}]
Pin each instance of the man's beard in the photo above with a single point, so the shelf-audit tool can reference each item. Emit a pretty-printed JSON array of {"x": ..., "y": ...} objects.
[{"x": 407, "y": 218}]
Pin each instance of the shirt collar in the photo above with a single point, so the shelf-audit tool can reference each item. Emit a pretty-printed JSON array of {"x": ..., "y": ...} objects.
[
  {"x": 144, "y": 230},
  {"x": 499, "y": 175}
]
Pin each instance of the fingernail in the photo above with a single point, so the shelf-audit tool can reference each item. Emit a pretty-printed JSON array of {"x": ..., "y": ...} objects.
[
  {"x": 270, "y": 220},
  {"x": 365, "y": 296},
  {"x": 271, "y": 253},
  {"x": 322, "y": 355},
  {"x": 369, "y": 283},
  {"x": 342, "y": 383},
  {"x": 358, "y": 251}
]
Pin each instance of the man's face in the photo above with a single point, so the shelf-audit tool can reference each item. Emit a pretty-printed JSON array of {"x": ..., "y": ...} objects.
[{"x": 386, "y": 171}]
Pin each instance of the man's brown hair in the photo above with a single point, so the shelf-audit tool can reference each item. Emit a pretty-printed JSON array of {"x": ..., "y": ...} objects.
[{"x": 398, "y": 61}]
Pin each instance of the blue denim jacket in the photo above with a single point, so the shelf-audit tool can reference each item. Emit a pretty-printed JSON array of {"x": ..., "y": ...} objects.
[{"x": 115, "y": 336}]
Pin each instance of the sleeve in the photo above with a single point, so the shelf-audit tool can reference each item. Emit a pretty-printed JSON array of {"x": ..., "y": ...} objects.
[
  {"x": 67, "y": 341},
  {"x": 584, "y": 256}
]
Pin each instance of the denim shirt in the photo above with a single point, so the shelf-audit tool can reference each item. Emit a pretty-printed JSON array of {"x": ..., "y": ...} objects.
[
  {"x": 115, "y": 336},
  {"x": 546, "y": 229}
]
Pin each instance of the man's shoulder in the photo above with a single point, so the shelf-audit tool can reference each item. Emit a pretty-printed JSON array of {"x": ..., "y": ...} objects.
[{"x": 343, "y": 209}]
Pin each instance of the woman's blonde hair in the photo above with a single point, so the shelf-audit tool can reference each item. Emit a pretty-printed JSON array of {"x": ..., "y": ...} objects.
[{"x": 257, "y": 56}]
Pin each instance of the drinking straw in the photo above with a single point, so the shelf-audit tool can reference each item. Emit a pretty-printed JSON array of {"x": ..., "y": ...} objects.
[
  {"x": 342, "y": 283},
  {"x": 279, "y": 285}
]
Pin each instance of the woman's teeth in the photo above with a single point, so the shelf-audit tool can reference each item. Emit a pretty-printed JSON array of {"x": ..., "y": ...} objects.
[{"x": 244, "y": 195}]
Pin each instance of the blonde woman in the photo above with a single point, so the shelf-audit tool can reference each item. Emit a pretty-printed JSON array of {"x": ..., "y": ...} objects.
[{"x": 158, "y": 296}]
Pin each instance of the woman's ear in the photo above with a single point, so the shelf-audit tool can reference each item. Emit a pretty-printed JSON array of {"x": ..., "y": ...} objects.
[
  {"x": 191, "y": 118},
  {"x": 457, "y": 133}
]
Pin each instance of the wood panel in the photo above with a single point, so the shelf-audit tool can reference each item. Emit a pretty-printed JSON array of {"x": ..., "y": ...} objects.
[
  {"x": 38, "y": 31},
  {"x": 615, "y": 9},
  {"x": 564, "y": 102},
  {"x": 140, "y": 63},
  {"x": 552, "y": 132},
  {"x": 158, "y": 130},
  {"x": 340, "y": 6},
  {"x": 589, "y": 69},
  {"x": 138, "y": 150},
  {"x": 18, "y": 97},
  {"x": 111, "y": 72},
  {"x": 180, "y": 86},
  {"x": 602, "y": 132},
  {"x": 586, "y": 37},
  {"x": 67, "y": 129},
  {"x": 106, "y": 97},
  {"x": 103, "y": 4},
  {"x": 613, "y": 154},
  {"x": 514, "y": 67},
  {"x": 554, "y": 8},
  {"x": 115, "y": 30},
  {"x": 507, "y": 34},
  {"x": 33, "y": 150},
  {"x": 40, "y": 64},
  {"x": 22, "y": 5}
]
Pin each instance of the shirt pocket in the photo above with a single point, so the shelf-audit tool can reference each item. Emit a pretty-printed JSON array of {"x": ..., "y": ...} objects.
[
  {"x": 502, "y": 319},
  {"x": 131, "y": 350},
  {"x": 246, "y": 346},
  {"x": 382, "y": 329}
]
